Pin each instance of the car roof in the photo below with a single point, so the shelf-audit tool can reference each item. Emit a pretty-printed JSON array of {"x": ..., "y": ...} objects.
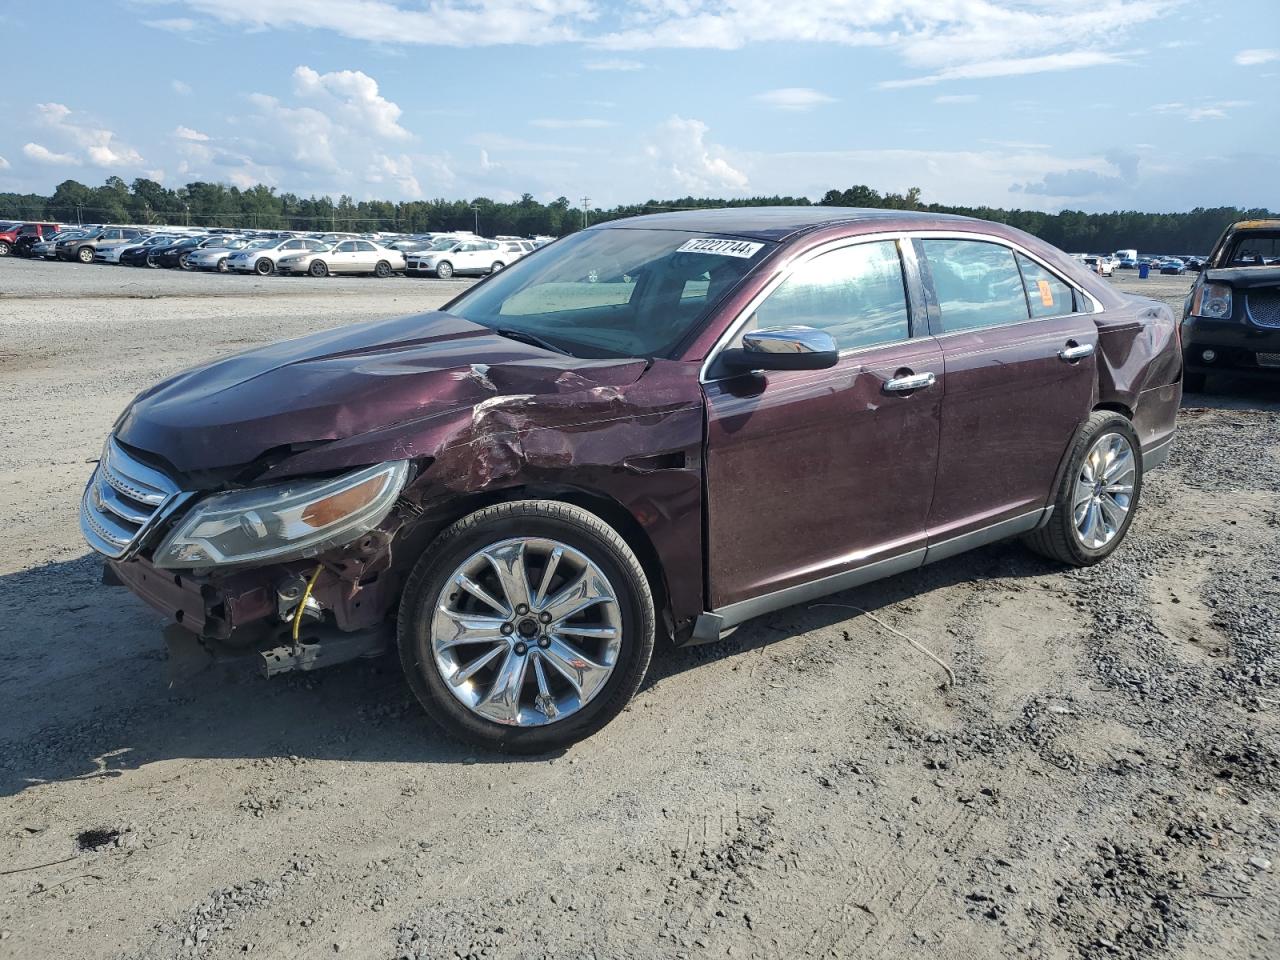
[{"x": 771, "y": 223}]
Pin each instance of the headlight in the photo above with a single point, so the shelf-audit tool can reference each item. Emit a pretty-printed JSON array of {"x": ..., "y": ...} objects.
[
  {"x": 283, "y": 522},
  {"x": 1212, "y": 301}
]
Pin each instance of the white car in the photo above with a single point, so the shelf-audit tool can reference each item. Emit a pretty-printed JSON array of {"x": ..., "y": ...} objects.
[
  {"x": 349, "y": 256},
  {"x": 1103, "y": 266},
  {"x": 261, "y": 256},
  {"x": 215, "y": 255},
  {"x": 476, "y": 257}
]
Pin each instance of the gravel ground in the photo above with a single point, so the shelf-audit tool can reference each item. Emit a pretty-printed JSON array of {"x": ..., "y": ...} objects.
[{"x": 1102, "y": 780}]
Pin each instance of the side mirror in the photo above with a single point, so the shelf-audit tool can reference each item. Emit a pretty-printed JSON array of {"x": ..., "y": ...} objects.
[{"x": 781, "y": 348}]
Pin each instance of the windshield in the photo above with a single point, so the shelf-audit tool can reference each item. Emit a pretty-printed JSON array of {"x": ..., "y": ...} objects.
[
  {"x": 1253, "y": 249},
  {"x": 613, "y": 292},
  {"x": 263, "y": 244}
]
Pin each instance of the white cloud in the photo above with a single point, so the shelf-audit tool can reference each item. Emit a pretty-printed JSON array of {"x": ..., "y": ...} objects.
[
  {"x": 397, "y": 170},
  {"x": 1252, "y": 58},
  {"x": 987, "y": 69},
  {"x": 444, "y": 23},
  {"x": 941, "y": 36},
  {"x": 1201, "y": 110},
  {"x": 186, "y": 133},
  {"x": 614, "y": 64},
  {"x": 793, "y": 98},
  {"x": 4, "y": 164},
  {"x": 354, "y": 95},
  {"x": 679, "y": 149},
  {"x": 956, "y": 98},
  {"x": 172, "y": 24},
  {"x": 181, "y": 88},
  {"x": 42, "y": 154},
  {"x": 100, "y": 146},
  {"x": 585, "y": 123}
]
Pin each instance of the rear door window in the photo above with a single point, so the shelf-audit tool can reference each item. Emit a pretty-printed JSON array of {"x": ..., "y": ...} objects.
[
  {"x": 1047, "y": 294},
  {"x": 977, "y": 284}
]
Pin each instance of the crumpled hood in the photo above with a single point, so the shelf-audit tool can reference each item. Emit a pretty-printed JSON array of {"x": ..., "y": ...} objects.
[{"x": 343, "y": 383}]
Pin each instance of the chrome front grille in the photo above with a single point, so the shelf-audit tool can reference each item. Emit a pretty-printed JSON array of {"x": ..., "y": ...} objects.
[
  {"x": 124, "y": 500},
  {"x": 1263, "y": 307}
]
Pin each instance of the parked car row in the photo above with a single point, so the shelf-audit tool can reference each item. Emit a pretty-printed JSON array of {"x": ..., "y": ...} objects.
[{"x": 267, "y": 252}]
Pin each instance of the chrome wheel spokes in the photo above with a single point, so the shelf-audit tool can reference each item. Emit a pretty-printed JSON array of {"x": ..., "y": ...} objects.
[
  {"x": 526, "y": 631},
  {"x": 1104, "y": 490}
]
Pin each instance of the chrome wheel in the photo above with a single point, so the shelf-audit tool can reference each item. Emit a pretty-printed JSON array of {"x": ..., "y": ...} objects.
[
  {"x": 526, "y": 631},
  {"x": 1104, "y": 490}
]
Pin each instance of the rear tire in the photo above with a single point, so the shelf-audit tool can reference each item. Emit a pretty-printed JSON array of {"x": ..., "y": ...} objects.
[
  {"x": 434, "y": 584},
  {"x": 1061, "y": 538},
  {"x": 4, "y": 248},
  {"x": 497, "y": 265},
  {"x": 264, "y": 267},
  {"x": 318, "y": 268},
  {"x": 444, "y": 269}
]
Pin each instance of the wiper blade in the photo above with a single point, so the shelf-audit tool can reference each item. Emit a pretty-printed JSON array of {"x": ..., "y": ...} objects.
[{"x": 531, "y": 338}]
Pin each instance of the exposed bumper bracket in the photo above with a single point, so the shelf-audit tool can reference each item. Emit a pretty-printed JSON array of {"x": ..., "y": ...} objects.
[{"x": 324, "y": 651}]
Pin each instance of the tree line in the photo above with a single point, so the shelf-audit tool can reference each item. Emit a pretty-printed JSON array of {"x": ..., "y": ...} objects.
[{"x": 263, "y": 208}]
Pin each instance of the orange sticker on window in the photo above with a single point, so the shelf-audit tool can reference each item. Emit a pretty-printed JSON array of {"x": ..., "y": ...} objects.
[{"x": 1046, "y": 292}]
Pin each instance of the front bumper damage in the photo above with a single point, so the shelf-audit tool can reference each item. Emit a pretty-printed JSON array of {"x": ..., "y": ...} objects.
[{"x": 251, "y": 612}]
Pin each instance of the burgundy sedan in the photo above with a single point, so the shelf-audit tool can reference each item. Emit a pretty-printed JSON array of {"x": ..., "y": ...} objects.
[{"x": 664, "y": 425}]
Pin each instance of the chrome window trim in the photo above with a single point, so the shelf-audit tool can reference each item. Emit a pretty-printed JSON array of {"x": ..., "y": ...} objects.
[
  {"x": 899, "y": 237},
  {"x": 785, "y": 271}
]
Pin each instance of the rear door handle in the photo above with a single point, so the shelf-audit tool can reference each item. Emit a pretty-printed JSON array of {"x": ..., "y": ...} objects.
[
  {"x": 913, "y": 381},
  {"x": 1075, "y": 351}
]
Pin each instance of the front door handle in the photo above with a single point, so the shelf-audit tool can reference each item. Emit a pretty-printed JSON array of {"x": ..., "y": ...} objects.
[
  {"x": 912, "y": 381},
  {"x": 1075, "y": 351}
]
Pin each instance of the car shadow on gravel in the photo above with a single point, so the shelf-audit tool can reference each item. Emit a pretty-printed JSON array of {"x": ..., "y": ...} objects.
[
  {"x": 88, "y": 689},
  {"x": 1225, "y": 392},
  {"x": 1007, "y": 561}
]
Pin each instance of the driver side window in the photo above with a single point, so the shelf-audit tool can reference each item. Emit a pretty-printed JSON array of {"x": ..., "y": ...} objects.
[{"x": 856, "y": 294}]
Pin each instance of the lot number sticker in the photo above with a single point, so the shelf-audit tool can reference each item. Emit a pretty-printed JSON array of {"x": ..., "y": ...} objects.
[
  {"x": 1046, "y": 292},
  {"x": 721, "y": 247}
]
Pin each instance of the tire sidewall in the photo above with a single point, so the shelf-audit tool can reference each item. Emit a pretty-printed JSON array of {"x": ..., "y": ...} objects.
[
  {"x": 318, "y": 268},
  {"x": 444, "y": 270},
  {"x": 422, "y": 593},
  {"x": 258, "y": 267},
  {"x": 80, "y": 254},
  {"x": 382, "y": 270},
  {"x": 1063, "y": 512}
]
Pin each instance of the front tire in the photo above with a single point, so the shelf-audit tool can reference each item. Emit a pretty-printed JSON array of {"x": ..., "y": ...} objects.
[
  {"x": 1097, "y": 496},
  {"x": 85, "y": 254},
  {"x": 444, "y": 270},
  {"x": 222, "y": 265},
  {"x": 318, "y": 268},
  {"x": 526, "y": 626},
  {"x": 497, "y": 265},
  {"x": 382, "y": 270},
  {"x": 264, "y": 267}
]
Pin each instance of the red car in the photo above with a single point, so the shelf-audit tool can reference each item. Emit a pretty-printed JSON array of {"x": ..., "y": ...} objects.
[
  {"x": 664, "y": 425},
  {"x": 19, "y": 238}
]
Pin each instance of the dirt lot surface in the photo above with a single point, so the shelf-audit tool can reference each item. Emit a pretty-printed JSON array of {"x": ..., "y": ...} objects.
[{"x": 1102, "y": 780}]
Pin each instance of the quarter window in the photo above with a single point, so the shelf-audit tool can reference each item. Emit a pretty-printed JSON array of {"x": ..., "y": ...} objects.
[
  {"x": 855, "y": 294},
  {"x": 1046, "y": 294},
  {"x": 977, "y": 284}
]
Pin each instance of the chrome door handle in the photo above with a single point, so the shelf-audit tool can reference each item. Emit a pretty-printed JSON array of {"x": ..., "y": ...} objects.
[
  {"x": 1075, "y": 351},
  {"x": 915, "y": 381}
]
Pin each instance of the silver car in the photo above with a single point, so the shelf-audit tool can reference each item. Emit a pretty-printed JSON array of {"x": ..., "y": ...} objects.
[
  {"x": 214, "y": 255},
  {"x": 349, "y": 256},
  {"x": 261, "y": 256}
]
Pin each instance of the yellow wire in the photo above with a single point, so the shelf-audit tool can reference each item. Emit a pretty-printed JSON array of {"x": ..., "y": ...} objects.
[{"x": 302, "y": 605}]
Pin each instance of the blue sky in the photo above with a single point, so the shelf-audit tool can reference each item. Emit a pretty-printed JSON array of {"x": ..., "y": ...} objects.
[{"x": 1086, "y": 104}]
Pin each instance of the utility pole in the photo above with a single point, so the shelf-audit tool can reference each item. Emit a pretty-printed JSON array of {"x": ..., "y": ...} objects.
[
  {"x": 586, "y": 202},
  {"x": 476, "y": 210},
  {"x": 79, "y": 220}
]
